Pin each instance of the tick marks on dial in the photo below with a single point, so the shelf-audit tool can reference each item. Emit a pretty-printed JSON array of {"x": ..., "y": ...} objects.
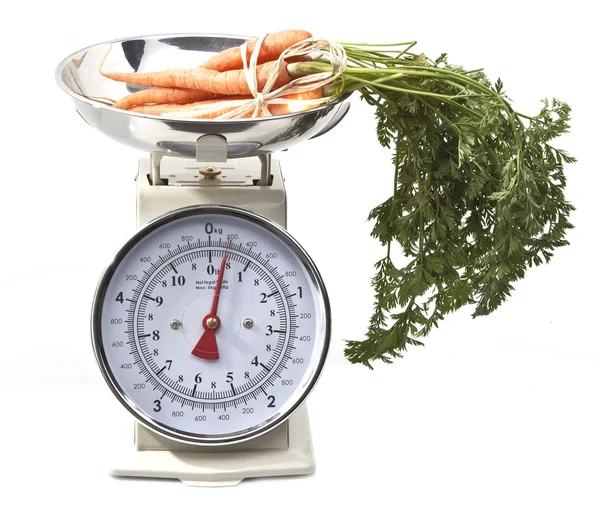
[{"x": 159, "y": 376}]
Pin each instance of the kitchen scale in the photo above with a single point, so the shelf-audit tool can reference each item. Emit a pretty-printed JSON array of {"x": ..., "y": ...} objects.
[{"x": 211, "y": 324}]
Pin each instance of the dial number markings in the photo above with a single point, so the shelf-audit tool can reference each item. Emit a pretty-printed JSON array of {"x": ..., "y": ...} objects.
[
  {"x": 206, "y": 339},
  {"x": 219, "y": 390}
]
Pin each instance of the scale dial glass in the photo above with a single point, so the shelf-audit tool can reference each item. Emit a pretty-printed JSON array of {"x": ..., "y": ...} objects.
[{"x": 200, "y": 373}]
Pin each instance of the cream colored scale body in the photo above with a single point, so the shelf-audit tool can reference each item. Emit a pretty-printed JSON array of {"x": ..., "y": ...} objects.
[{"x": 286, "y": 449}]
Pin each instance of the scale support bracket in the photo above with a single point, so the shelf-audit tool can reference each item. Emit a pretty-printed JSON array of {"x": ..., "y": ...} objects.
[
  {"x": 152, "y": 200},
  {"x": 211, "y": 148},
  {"x": 209, "y": 155}
]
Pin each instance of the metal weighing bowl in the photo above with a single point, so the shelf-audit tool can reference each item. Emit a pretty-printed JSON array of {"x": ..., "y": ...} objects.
[{"x": 78, "y": 76}]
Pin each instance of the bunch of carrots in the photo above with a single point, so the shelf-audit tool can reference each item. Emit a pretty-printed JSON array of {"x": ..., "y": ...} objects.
[{"x": 220, "y": 79}]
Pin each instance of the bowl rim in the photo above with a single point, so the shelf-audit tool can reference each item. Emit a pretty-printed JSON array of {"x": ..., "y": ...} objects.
[{"x": 64, "y": 63}]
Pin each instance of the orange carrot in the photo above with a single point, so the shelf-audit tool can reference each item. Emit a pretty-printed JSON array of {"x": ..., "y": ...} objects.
[
  {"x": 272, "y": 46},
  {"x": 159, "y": 109},
  {"x": 316, "y": 93},
  {"x": 226, "y": 83},
  {"x": 162, "y": 96},
  {"x": 275, "y": 109},
  {"x": 293, "y": 107}
]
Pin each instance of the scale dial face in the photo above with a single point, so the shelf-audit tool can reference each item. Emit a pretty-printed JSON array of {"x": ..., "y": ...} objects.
[{"x": 211, "y": 325}]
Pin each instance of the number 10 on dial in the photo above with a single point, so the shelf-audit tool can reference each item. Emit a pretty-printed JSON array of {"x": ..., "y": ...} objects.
[{"x": 211, "y": 325}]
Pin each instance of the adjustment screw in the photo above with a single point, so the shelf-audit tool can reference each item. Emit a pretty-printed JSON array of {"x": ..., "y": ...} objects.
[
  {"x": 175, "y": 324},
  {"x": 210, "y": 172},
  {"x": 248, "y": 323}
]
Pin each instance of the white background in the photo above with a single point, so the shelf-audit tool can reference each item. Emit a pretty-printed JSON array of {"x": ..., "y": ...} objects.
[{"x": 495, "y": 421}]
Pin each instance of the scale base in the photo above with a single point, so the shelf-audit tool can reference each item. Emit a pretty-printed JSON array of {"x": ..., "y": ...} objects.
[{"x": 286, "y": 450}]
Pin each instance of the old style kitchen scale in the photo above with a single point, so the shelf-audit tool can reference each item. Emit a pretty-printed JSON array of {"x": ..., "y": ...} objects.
[{"x": 211, "y": 324}]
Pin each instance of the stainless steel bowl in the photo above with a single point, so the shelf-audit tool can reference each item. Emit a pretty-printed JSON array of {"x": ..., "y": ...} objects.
[{"x": 78, "y": 76}]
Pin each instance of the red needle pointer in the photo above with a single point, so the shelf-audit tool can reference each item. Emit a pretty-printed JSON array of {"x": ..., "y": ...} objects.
[{"x": 206, "y": 348}]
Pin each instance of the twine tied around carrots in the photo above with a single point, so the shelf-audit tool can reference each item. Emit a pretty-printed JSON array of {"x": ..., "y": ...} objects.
[{"x": 258, "y": 105}]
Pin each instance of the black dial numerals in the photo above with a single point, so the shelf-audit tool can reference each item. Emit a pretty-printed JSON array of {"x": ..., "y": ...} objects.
[{"x": 190, "y": 274}]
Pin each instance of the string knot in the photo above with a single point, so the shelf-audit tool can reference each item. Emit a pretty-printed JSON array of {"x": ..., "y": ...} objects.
[
  {"x": 259, "y": 106},
  {"x": 260, "y": 100}
]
